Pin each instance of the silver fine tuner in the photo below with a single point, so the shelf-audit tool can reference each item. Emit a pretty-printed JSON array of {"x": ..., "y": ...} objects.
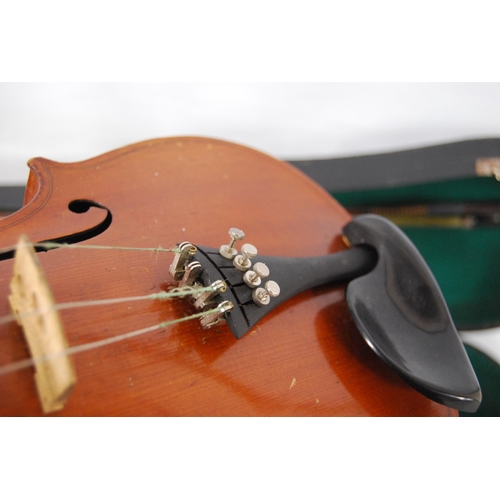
[
  {"x": 177, "y": 268},
  {"x": 242, "y": 262},
  {"x": 254, "y": 277},
  {"x": 228, "y": 251},
  {"x": 204, "y": 298},
  {"x": 262, "y": 296},
  {"x": 192, "y": 271},
  {"x": 214, "y": 317}
]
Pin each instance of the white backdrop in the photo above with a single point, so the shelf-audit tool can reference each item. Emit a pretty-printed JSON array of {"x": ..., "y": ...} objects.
[
  {"x": 316, "y": 40},
  {"x": 73, "y": 122},
  {"x": 242, "y": 41}
]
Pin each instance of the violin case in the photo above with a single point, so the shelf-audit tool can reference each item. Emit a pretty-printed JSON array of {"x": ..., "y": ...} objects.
[{"x": 446, "y": 198}]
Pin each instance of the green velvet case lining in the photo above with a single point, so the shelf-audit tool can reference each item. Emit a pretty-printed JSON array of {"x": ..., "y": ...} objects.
[{"x": 463, "y": 260}]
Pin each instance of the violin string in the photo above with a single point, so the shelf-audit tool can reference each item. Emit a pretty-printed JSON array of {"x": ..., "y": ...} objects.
[
  {"x": 21, "y": 365},
  {"x": 176, "y": 292},
  {"x": 49, "y": 245}
]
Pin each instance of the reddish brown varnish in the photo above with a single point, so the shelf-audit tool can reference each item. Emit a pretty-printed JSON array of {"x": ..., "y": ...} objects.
[{"x": 305, "y": 358}]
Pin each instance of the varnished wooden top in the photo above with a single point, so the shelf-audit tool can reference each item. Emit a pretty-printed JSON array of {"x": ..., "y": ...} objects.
[{"x": 304, "y": 358}]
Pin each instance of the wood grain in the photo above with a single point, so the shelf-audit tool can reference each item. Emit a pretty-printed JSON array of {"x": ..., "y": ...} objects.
[{"x": 305, "y": 358}]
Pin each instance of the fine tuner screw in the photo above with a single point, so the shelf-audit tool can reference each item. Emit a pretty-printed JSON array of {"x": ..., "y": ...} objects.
[
  {"x": 203, "y": 299},
  {"x": 242, "y": 262},
  {"x": 177, "y": 268},
  {"x": 253, "y": 278},
  {"x": 262, "y": 296},
  {"x": 217, "y": 315},
  {"x": 228, "y": 251},
  {"x": 192, "y": 271}
]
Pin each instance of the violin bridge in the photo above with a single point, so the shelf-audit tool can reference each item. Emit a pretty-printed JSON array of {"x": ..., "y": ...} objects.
[{"x": 33, "y": 304}]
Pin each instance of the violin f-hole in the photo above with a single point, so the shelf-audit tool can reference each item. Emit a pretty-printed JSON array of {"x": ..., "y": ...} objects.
[{"x": 78, "y": 206}]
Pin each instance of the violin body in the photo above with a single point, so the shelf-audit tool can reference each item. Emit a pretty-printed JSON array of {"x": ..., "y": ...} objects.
[{"x": 305, "y": 358}]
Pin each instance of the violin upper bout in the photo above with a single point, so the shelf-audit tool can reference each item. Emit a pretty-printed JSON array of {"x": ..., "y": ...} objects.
[{"x": 53, "y": 209}]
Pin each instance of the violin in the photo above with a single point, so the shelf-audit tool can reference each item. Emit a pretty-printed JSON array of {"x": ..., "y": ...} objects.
[{"x": 107, "y": 215}]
